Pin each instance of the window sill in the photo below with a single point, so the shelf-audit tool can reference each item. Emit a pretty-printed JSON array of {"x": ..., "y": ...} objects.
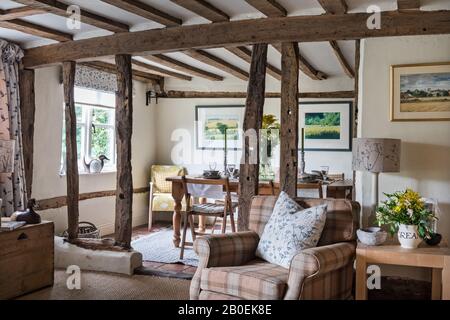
[{"x": 83, "y": 173}]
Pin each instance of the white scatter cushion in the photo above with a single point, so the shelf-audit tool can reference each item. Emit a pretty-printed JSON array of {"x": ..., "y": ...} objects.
[{"x": 290, "y": 230}]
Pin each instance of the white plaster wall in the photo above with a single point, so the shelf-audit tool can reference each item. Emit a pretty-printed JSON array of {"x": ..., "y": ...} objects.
[
  {"x": 175, "y": 114},
  {"x": 425, "y": 155},
  {"x": 47, "y": 183}
]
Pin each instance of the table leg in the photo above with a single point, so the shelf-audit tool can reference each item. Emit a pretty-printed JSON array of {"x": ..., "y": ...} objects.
[
  {"x": 177, "y": 194},
  {"x": 202, "y": 219},
  {"x": 361, "y": 278},
  {"x": 446, "y": 279},
  {"x": 436, "y": 284}
]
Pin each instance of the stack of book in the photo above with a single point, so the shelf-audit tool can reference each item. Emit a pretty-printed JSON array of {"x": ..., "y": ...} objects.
[{"x": 11, "y": 225}]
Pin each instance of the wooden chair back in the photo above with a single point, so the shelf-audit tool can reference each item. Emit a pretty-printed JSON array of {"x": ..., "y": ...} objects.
[
  {"x": 225, "y": 182},
  {"x": 311, "y": 186}
]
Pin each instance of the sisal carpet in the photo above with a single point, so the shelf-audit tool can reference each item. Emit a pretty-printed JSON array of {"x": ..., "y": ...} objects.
[
  {"x": 109, "y": 286},
  {"x": 158, "y": 247}
]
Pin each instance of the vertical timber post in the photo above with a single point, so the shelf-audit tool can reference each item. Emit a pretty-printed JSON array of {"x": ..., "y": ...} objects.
[
  {"x": 289, "y": 119},
  {"x": 356, "y": 104},
  {"x": 71, "y": 149},
  {"x": 124, "y": 130},
  {"x": 27, "y": 113},
  {"x": 254, "y": 109}
]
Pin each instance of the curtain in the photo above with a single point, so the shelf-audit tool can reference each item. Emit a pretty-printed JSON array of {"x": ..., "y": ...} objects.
[{"x": 12, "y": 186}]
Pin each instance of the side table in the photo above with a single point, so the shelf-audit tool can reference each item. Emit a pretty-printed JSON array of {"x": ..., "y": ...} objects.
[{"x": 437, "y": 258}]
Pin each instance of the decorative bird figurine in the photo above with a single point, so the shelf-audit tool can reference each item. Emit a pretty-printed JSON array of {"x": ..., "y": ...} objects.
[{"x": 95, "y": 165}]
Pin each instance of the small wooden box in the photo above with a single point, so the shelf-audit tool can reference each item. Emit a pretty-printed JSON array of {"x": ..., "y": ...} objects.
[{"x": 26, "y": 259}]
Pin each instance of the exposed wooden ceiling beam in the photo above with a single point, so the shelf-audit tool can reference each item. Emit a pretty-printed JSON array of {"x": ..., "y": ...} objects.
[
  {"x": 35, "y": 30},
  {"x": 408, "y": 4},
  {"x": 212, "y": 60},
  {"x": 246, "y": 55},
  {"x": 160, "y": 71},
  {"x": 341, "y": 58},
  {"x": 111, "y": 68},
  {"x": 146, "y": 11},
  {"x": 226, "y": 94},
  {"x": 334, "y": 6},
  {"x": 271, "y": 8},
  {"x": 183, "y": 67},
  {"x": 305, "y": 66},
  {"x": 21, "y": 12},
  {"x": 203, "y": 9},
  {"x": 60, "y": 9},
  {"x": 244, "y": 32}
]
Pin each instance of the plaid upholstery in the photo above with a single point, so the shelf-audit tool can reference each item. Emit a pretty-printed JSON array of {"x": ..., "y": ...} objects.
[
  {"x": 160, "y": 173},
  {"x": 314, "y": 262},
  {"x": 257, "y": 280},
  {"x": 230, "y": 249},
  {"x": 323, "y": 272}
]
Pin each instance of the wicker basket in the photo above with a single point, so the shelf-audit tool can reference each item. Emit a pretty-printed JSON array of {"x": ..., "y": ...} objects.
[{"x": 86, "y": 230}]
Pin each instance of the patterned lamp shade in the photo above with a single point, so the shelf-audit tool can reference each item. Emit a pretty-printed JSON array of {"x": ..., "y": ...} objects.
[
  {"x": 7, "y": 156},
  {"x": 376, "y": 155}
]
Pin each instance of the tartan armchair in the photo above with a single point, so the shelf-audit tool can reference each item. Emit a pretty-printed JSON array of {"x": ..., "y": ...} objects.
[{"x": 228, "y": 268}]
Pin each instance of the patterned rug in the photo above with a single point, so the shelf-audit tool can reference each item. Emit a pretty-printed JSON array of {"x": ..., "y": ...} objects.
[{"x": 158, "y": 247}]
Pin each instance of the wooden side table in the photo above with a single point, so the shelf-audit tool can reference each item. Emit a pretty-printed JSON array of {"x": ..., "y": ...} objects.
[{"x": 437, "y": 258}]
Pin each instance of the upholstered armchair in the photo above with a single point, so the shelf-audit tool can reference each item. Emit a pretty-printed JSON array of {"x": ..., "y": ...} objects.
[
  {"x": 228, "y": 268},
  {"x": 161, "y": 190}
]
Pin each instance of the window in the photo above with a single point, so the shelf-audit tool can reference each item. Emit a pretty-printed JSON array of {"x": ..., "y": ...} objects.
[{"x": 95, "y": 128}]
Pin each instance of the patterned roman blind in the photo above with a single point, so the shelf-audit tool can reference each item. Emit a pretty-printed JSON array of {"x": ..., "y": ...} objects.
[{"x": 94, "y": 79}]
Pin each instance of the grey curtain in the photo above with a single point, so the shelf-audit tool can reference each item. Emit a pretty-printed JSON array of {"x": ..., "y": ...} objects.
[{"x": 12, "y": 186}]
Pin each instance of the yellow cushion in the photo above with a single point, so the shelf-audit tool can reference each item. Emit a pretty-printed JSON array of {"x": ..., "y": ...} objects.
[
  {"x": 164, "y": 202},
  {"x": 159, "y": 175}
]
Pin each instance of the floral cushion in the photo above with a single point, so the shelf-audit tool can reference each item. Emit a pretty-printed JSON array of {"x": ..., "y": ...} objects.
[{"x": 289, "y": 230}]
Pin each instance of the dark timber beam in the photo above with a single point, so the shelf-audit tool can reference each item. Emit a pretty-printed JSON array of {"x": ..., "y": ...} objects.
[
  {"x": 60, "y": 9},
  {"x": 71, "y": 149},
  {"x": 174, "y": 94},
  {"x": 305, "y": 66},
  {"x": 203, "y": 9},
  {"x": 356, "y": 103},
  {"x": 124, "y": 130},
  {"x": 270, "y": 8},
  {"x": 216, "y": 62},
  {"x": 334, "y": 6},
  {"x": 27, "y": 112},
  {"x": 342, "y": 60},
  {"x": 408, "y": 4},
  {"x": 183, "y": 67},
  {"x": 146, "y": 11},
  {"x": 289, "y": 119},
  {"x": 160, "y": 71},
  {"x": 35, "y": 30},
  {"x": 246, "y": 55},
  {"x": 254, "y": 109},
  {"x": 21, "y": 12},
  {"x": 243, "y": 32}
]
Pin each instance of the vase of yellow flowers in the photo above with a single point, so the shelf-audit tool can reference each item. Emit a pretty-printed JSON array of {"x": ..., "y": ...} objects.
[{"x": 406, "y": 214}]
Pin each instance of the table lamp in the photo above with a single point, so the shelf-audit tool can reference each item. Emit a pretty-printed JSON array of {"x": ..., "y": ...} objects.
[{"x": 376, "y": 155}]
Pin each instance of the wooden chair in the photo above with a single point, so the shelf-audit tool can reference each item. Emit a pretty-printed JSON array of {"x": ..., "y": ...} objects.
[
  {"x": 336, "y": 176},
  {"x": 215, "y": 210}
]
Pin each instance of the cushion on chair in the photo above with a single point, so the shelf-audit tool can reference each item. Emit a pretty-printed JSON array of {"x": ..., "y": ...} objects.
[
  {"x": 213, "y": 208},
  {"x": 257, "y": 280},
  {"x": 289, "y": 230},
  {"x": 164, "y": 202},
  {"x": 159, "y": 174}
]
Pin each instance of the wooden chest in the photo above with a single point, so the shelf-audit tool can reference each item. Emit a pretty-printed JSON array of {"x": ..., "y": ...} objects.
[{"x": 26, "y": 259}]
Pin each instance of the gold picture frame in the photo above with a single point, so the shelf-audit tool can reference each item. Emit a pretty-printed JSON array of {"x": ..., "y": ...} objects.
[{"x": 420, "y": 92}]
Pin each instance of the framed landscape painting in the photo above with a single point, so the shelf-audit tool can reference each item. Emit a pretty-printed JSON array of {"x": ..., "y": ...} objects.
[
  {"x": 212, "y": 122},
  {"x": 328, "y": 125},
  {"x": 420, "y": 92}
]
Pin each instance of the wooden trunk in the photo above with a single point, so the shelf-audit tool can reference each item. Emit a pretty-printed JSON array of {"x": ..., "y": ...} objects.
[
  {"x": 289, "y": 119},
  {"x": 124, "y": 130},
  {"x": 254, "y": 108},
  {"x": 26, "y": 259},
  {"x": 71, "y": 149}
]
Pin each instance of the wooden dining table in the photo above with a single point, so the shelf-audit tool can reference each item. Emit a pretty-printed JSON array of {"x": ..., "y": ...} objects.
[{"x": 335, "y": 189}]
